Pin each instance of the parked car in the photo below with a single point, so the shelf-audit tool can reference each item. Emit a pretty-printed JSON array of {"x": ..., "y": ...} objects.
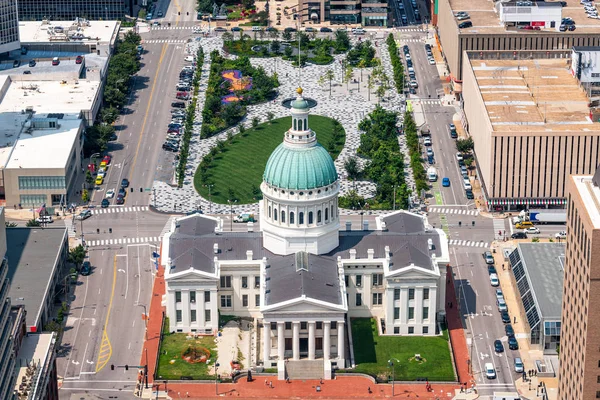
[
  {"x": 491, "y": 269},
  {"x": 494, "y": 280},
  {"x": 459, "y": 157},
  {"x": 32, "y": 63},
  {"x": 16, "y": 63},
  {"x": 512, "y": 343},
  {"x": 488, "y": 257},
  {"x": 505, "y": 317},
  {"x": 220, "y": 29},
  {"x": 518, "y": 363},
  {"x": 325, "y": 29},
  {"x": 45, "y": 219},
  {"x": 501, "y": 305},
  {"x": 236, "y": 29},
  {"x": 99, "y": 180},
  {"x": 499, "y": 294},
  {"x": 465, "y": 24},
  {"x": 120, "y": 199},
  {"x": 55, "y": 61},
  {"x": 86, "y": 268},
  {"x": 178, "y": 104},
  {"x": 532, "y": 230},
  {"x": 78, "y": 59},
  {"x": 427, "y": 142},
  {"x": 561, "y": 235},
  {"x": 105, "y": 203},
  {"x": 189, "y": 58}
]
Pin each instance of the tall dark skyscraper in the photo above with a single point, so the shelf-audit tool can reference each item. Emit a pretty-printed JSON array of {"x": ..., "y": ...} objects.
[
  {"x": 65, "y": 10},
  {"x": 9, "y": 26}
]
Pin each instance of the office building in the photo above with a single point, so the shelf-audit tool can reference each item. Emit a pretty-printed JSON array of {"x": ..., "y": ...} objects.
[
  {"x": 511, "y": 26},
  {"x": 301, "y": 277},
  {"x": 9, "y": 26},
  {"x": 528, "y": 135},
  {"x": 67, "y": 10},
  {"x": 580, "y": 333},
  {"x": 537, "y": 271},
  {"x": 36, "y": 375},
  {"x": 7, "y": 355},
  {"x": 345, "y": 12}
]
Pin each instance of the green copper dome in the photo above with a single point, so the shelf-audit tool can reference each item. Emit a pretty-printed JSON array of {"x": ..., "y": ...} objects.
[{"x": 300, "y": 168}]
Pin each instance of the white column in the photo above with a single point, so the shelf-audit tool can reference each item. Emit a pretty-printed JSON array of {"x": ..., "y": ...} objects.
[
  {"x": 326, "y": 339},
  {"x": 266, "y": 341},
  {"x": 340, "y": 344},
  {"x": 296, "y": 340},
  {"x": 280, "y": 340},
  {"x": 200, "y": 308},
  {"x": 185, "y": 309},
  {"x": 214, "y": 309},
  {"x": 311, "y": 340}
]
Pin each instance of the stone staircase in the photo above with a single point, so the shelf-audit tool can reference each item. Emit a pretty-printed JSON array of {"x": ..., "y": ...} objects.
[{"x": 304, "y": 369}]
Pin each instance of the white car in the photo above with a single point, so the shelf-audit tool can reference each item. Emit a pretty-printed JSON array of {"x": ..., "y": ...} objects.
[
  {"x": 561, "y": 235},
  {"x": 427, "y": 142},
  {"x": 45, "y": 219},
  {"x": 494, "y": 280},
  {"x": 532, "y": 230},
  {"x": 189, "y": 58},
  {"x": 459, "y": 157},
  {"x": 490, "y": 371},
  {"x": 102, "y": 172},
  {"x": 431, "y": 61},
  {"x": 110, "y": 193}
]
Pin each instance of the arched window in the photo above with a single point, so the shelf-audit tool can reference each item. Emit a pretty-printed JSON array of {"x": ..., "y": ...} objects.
[
  {"x": 301, "y": 218},
  {"x": 332, "y": 215},
  {"x": 291, "y": 217},
  {"x": 318, "y": 216},
  {"x": 295, "y": 124},
  {"x": 326, "y": 213},
  {"x": 310, "y": 217},
  {"x": 306, "y": 124},
  {"x": 275, "y": 214},
  {"x": 282, "y": 216},
  {"x": 269, "y": 211}
]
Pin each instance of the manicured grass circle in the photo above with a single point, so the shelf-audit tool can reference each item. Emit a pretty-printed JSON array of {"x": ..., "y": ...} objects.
[{"x": 242, "y": 164}]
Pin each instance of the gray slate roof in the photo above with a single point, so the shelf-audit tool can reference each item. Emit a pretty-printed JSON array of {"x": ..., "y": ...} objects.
[
  {"x": 316, "y": 278},
  {"x": 544, "y": 265},
  {"x": 31, "y": 253},
  {"x": 192, "y": 245}
]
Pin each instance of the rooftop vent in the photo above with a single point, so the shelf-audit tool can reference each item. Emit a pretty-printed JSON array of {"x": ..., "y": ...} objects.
[
  {"x": 430, "y": 244},
  {"x": 301, "y": 261},
  {"x": 216, "y": 248}
]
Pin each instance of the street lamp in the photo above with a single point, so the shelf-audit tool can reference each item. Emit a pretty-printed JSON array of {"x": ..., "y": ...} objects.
[
  {"x": 145, "y": 318},
  {"x": 217, "y": 365},
  {"x": 391, "y": 365},
  {"x": 231, "y": 203},
  {"x": 209, "y": 198}
]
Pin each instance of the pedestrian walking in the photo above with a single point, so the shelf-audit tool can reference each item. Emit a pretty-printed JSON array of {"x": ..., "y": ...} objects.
[
  {"x": 287, "y": 380},
  {"x": 369, "y": 389},
  {"x": 271, "y": 384},
  {"x": 515, "y": 320},
  {"x": 266, "y": 383}
]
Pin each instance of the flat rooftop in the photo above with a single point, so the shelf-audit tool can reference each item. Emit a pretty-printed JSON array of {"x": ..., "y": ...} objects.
[
  {"x": 590, "y": 195},
  {"x": 67, "y": 31},
  {"x": 35, "y": 348},
  {"x": 32, "y": 254},
  {"x": 538, "y": 95},
  {"x": 485, "y": 19},
  {"x": 544, "y": 266}
]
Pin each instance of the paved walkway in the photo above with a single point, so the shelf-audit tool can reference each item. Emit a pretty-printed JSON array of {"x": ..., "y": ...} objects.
[{"x": 154, "y": 323}]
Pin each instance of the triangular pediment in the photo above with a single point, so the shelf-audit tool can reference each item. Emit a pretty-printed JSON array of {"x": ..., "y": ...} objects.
[
  {"x": 304, "y": 305},
  {"x": 413, "y": 272},
  {"x": 190, "y": 275}
]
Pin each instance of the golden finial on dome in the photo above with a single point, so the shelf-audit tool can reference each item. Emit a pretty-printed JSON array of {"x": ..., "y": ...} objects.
[{"x": 299, "y": 91}]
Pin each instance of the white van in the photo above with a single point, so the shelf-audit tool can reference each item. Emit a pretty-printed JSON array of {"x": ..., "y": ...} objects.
[
  {"x": 490, "y": 371},
  {"x": 358, "y": 31},
  {"x": 432, "y": 174},
  {"x": 256, "y": 29}
]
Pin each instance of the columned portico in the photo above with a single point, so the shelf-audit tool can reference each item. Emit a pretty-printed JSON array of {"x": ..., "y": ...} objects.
[{"x": 311, "y": 340}]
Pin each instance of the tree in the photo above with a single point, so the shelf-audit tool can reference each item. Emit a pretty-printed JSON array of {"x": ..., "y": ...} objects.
[
  {"x": 288, "y": 51},
  {"x": 255, "y": 122},
  {"x": 85, "y": 196},
  {"x": 287, "y": 36},
  {"x": 342, "y": 41},
  {"x": 88, "y": 178},
  {"x": 227, "y": 37},
  {"x": 220, "y": 145},
  {"x": 329, "y": 75},
  {"x": 351, "y": 167},
  {"x": 230, "y": 194},
  {"x": 274, "y": 34},
  {"x": 270, "y": 116},
  {"x": 370, "y": 86},
  {"x": 348, "y": 72},
  {"x": 32, "y": 223},
  {"x": 77, "y": 255},
  {"x": 380, "y": 92},
  {"x": 465, "y": 145},
  {"x": 275, "y": 46},
  {"x": 241, "y": 128}
]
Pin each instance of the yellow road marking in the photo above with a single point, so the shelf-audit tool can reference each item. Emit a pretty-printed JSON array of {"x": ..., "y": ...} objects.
[
  {"x": 103, "y": 356},
  {"x": 178, "y": 7},
  {"x": 162, "y": 55}
]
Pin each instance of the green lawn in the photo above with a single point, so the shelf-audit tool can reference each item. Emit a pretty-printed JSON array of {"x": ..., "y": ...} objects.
[
  {"x": 242, "y": 163},
  {"x": 372, "y": 352},
  {"x": 172, "y": 348}
]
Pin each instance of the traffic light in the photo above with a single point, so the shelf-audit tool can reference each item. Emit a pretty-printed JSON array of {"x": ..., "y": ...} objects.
[
  {"x": 112, "y": 367},
  {"x": 126, "y": 367},
  {"x": 109, "y": 230},
  {"x": 141, "y": 190}
]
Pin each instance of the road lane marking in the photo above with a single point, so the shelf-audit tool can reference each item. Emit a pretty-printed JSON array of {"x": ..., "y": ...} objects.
[
  {"x": 78, "y": 325},
  {"x": 160, "y": 60},
  {"x": 105, "y": 347}
]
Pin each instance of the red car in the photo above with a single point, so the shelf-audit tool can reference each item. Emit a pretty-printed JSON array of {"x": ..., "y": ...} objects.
[
  {"x": 173, "y": 130},
  {"x": 182, "y": 95},
  {"x": 107, "y": 159},
  {"x": 79, "y": 60}
]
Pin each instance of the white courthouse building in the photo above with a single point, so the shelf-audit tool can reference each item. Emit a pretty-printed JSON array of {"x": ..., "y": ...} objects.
[{"x": 301, "y": 278}]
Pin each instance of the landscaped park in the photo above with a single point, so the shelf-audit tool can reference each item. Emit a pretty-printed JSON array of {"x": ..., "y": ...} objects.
[
  {"x": 233, "y": 169},
  {"x": 372, "y": 353}
]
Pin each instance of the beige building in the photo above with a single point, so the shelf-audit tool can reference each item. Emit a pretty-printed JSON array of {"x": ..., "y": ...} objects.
[
  {"x": 345, "y": 12},
  {"x": 532, "y": 128},
  {"x": 492, "y": 30},
  {"x": 41, "y": 138},
  {"x": 580, "y": 335}
]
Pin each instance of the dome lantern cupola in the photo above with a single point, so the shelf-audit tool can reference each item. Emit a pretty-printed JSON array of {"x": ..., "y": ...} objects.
[{"x": 300, "y": 133}]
